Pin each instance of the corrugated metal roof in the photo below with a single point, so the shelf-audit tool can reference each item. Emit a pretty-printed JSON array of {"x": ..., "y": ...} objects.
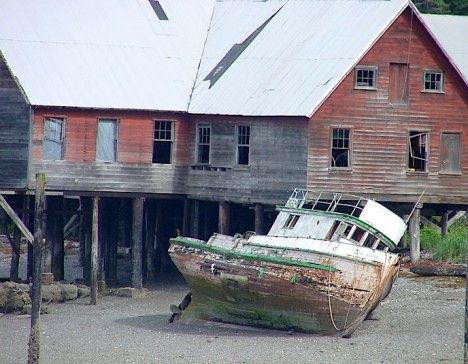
[
  {"x": 104, "y": 53},
  {"x": 452, "y": 33},
  {"x": 295, "y": 61},
  {"x": 121, "y": 55}
]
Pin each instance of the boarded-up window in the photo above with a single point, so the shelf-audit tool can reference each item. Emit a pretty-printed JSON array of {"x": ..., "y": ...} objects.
[
  {"x": 450, "y": 153},
  {"x": 398, "y": 89},
  {"x": 106, "y": 146},
  {"x": 52, "y": 145},
  {"x": 340, "y": 150},
  {"x": 203, "y": 143},
  {"x": 417, "y": 153},
  {"x": 162, "y": 144},
  {"x": 243, "y": 144}
]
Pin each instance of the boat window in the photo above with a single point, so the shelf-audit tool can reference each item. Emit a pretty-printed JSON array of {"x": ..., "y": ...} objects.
[
  {"x": 332, "y": 231},
  {"x": 379, "y": 245},
  {"x": 358, "y": 234},
  {"x": 369, "y": 241},
  {"x": 291, "y": 221}
]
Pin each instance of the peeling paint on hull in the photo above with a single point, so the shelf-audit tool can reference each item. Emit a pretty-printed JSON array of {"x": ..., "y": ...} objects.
[{"x": 281, "y": 296}]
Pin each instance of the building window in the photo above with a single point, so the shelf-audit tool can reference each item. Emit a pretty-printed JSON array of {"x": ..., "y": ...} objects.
[
  {"x": 398, "y": 88},
  {"x": 450, "y": 153},
  {"x": 52, "y": 145},
  {"x": 417, "y": 154},
  {"x": 365, "y": 77},
  {"x": 433, "y": 81},
  {"x": 106, "y": 145},
  {"x": 162, "y": 144},
  {"x": 340, "y": 151},
  {"x": 204, "y": 135},
  {"x": 243, "y": 144}
]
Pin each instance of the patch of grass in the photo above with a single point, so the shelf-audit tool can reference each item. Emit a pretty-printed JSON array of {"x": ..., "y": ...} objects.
[{"x": 452, "y": 247}]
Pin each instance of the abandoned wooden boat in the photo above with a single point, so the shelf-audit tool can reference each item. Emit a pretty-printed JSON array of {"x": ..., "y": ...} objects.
[{"x": 325, "y": 264}]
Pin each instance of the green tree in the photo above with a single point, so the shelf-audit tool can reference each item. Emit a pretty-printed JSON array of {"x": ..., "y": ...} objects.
[{"x": 454, "y": 7}]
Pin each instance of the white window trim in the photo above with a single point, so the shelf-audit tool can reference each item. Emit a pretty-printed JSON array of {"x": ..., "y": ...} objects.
[{"x": 368, "y": 68}]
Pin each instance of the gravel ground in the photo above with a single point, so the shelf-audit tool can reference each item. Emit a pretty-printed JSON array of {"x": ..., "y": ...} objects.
[{"x": 422, "y": 321}]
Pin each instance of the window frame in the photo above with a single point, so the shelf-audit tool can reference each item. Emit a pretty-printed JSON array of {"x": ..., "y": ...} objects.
[
  {"x": 374, "y": 69},
  {"x": 442, "y": 79},
  {"x": 197, "y": 154},
  {"x": 171, "y": 140},
  {"x": 240, "y": 145},
  {"x": 116, "y": 140},
  {"x": 350, "y": 149},
  {"x": 62, "y": 120},
  {"x": 408, "y": 142}
]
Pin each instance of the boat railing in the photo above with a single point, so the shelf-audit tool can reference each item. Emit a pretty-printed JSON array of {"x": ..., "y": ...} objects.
[{"x": 326, "y": 201}]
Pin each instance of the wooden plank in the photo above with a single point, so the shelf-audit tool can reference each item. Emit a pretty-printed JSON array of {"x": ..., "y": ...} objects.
[
  {"x": 224, "y": 217},
  {"x": 259, "y": 219},
  {"x": 11, "y": 213},
  {"x": 38, "y": 246}
]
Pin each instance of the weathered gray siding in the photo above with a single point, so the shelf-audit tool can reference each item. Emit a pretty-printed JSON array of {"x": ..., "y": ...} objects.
[
  {"x": 14, "y": 132},
  {"x": 278, "y": 160}
]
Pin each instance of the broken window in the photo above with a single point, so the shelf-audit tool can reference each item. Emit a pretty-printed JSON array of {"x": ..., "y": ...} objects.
[
  {"x": 243, "y": 144},
  {"x": 106, "y": 145},
  {"x": 417, "y": 154},
  {"x": 162, "y": 143},
  {"x": 291, "y": 221},
  {"x": 204, "y": 135},
  {"x": 340, "y": 151},
  {"x": 158, "y": 9},
  {"x": 433, "y": 81},
  {"x": 365, "y": 77},
  {"x": 398, "y": 88},
  {"x": 450, "y": 153},
  {"x": 52, "y": 145}
]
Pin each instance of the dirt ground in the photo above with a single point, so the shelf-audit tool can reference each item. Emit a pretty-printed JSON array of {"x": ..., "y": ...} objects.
[{"x": 422, "y": 321}]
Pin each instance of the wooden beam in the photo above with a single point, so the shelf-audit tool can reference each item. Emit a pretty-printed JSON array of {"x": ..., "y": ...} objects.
[
  {"x": 186, "y": 218},
  {"x": 137, "y": 238},
  {"x": 457, "y": 216},
  {"x": 12, "y": 214},
  {"x": 444, "y": 224},
  {"x": 427, "y": 222},
  {"x": 196, "y": 219},
  {"x": 38, "y": 246}
]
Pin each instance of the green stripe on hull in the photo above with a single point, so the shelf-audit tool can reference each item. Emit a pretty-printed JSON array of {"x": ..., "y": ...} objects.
[{"x": 251, "y": 257}]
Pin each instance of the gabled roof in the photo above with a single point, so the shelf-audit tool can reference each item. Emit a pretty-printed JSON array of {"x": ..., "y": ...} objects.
[
  {"x": 452, "y": 33},
  {"x": 294, "y": 62},
  {"x": 233, "y": 57},
  {"x": 104, "y": 53}
]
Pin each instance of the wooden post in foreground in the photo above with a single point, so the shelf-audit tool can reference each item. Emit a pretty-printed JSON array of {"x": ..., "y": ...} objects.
[
  {"x": 224, "y": 216},
  {"x": 94, "y": 251},
  {"x": 38, "y": 247},
  {"x": 444, "y": 224}
]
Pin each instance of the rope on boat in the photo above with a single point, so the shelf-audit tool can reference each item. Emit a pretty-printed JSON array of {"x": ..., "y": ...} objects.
[{"x": 329, "y": 300}]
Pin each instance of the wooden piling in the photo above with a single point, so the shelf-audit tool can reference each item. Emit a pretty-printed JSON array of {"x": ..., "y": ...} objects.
[
  {"x": 186, "y": 218},
  {"x": 444, "y": 224},
  {"x": 196, "y": 219},
  {"x": 150, "y": 222},
  {"x": 94, "y": 251},
  {"x": 415, "y": 249},
  {"x": 38, "y": 247},
  {"x": 15, "y": 254},
  {"x": 259, "y": 219},
  {"x": 137, "y": 239},
  {"x": 224, "y": 217},
  {"x": 58, "y": 248}
]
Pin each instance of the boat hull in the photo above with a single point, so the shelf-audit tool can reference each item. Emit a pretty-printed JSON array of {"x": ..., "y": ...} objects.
[{"x": 279, "y": 296}]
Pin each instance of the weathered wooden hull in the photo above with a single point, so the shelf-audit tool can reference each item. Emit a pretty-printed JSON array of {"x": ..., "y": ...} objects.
[{"x": 280, "y": 296}]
